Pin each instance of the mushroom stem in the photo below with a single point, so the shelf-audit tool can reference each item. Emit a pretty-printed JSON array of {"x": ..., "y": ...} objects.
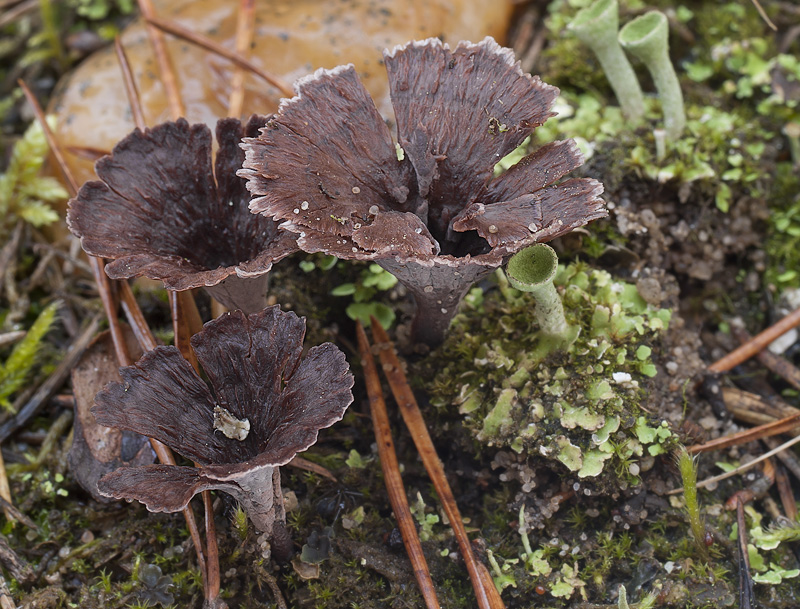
[
  {"x": 532, "y": 270},
  {"x": 647, "y": 38},
  {"x": 596, "y": 26},
  {"x": 259, "y": 493},
  {"x": 437, "y": 290},
  {"x": 245, "y": 293}
]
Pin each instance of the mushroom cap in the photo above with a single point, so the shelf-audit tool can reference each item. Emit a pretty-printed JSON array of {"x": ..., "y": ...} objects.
[
  {"x": 326, "y": 164},
  {"x": 276, "y": 401},
  {"x": 159, "y": 210}
]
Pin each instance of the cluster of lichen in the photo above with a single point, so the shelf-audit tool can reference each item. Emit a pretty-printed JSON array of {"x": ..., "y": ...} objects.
[
  {"x": 579, "y": 406},
  {"x": 742, "y": 138}
]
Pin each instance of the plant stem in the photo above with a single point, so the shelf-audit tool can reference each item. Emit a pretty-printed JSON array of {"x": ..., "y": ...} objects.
[
  {"x": 647, "y": 38},
  {"x": 596, "y": 26}
]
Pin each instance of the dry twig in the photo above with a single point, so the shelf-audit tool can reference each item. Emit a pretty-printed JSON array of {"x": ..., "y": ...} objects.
[
  {"x": 772, "y": 362},
  {"x": 759, "y": 342},
  {"x": 391, "y": 472},
  {"x": 245, "y": 28},
  {"x": 210, "y": 45},
  {"x": 487, "y": 595}
]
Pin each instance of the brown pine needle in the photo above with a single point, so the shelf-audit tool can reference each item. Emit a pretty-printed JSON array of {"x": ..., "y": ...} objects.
[
  {"x": 748, "y": 435},
  {"x": 757, "y": 344},
  {"x": 130, "y": 85},
  {"x": 245, "y": 28},
  {"x": 746, "y": 592},
  {"x": 186, "y": 322},
  {"x": 213, "y": 47},
  {"x": 391, "y": 472},
  {"x": 87, "y": 153},
  {"x": 167, "y": 73},
  {"x": 786, "y": 493},
  {"x": 162, "y": 451},
  {"x": 310, "y": 466},
  {"x": 741, "y": 468},
  {"x": 487, "y": 595},
  {"x": 773, "y": 362},
  {"x": 764, "y": 15}
]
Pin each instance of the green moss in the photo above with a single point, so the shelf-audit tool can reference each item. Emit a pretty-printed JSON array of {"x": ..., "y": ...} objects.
[{"x": 563, "y": 406}]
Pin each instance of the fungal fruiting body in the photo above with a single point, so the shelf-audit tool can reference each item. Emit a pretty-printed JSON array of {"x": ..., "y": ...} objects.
[
  {"x": 427, "y": 207},
  {"x": 162, "y": 209},
  {"x": 262, "y": 405}
]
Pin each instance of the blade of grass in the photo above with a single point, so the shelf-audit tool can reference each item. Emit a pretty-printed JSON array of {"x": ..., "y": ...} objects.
[
  {"x": 486, "y": 593},
  {"x": 391, "y": 472},
  {"x": 786, "y": 493}
]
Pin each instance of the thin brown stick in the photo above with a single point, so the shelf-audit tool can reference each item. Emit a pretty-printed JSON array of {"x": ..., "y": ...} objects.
[
  {"x": 748, "y": 435},
  {"x": 72, "y": 185},
  {"x": 310, "y": 466},
  {"x": 213, "y": 47},
  {"x": 753, "y": 409},
  {"x": 162, "y": 451},
  {"x": 785, "y": 492},
  {"x": 10, "y": 249},
  {"x": 245, "y": 28},
  {"x": 167, "y": 73},
  {"x": 130, "y": 85},
  {"x": 18, "y": 11},
  {"x": 755, "y": 490},
  {"x": 487, "y": 595},
  {"x": 96, "y": 264},
  {"x": 212, "y": 578},
  {"x": 758, "y": 343},
  {"x": 774, "y": 363},
  {"x": 87, "y": 152},
  {"x": 133, "y": 314},
  {"x": 746, "y": 593},
  {"x": 787, "y": 457},
  {"x": 391, "y": 472},
  {"x": 186, "y": 322},
  {"x": 764, "y": 15},
  {"x": 741, "y": 468},
  {"x": 11, "y": 509}
]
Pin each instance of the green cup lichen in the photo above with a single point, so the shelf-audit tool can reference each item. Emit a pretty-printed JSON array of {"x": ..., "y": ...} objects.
[
  {"x": 596, "y": 26},
  {"x": 646, "y": 37},
  {"x": 533, "y": 270},
  {"x": 578, "y": 408}
]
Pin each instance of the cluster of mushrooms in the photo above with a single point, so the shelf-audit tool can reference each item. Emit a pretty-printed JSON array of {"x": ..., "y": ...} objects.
[{"x": 326, "y": 176}]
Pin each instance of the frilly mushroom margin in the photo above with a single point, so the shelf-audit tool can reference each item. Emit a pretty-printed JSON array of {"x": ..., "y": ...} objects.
[{"x": 428, "y": 209}]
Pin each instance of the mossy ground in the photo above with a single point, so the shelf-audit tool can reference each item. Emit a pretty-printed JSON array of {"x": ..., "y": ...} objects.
[{"x": 714, "y": 223}]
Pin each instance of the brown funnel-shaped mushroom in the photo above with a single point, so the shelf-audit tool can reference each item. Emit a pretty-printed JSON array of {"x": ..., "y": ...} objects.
[
  {"x": 159, "y": 212},
  {"x": 428, "y": 208},
  {"x": 264, "y": 405}
]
